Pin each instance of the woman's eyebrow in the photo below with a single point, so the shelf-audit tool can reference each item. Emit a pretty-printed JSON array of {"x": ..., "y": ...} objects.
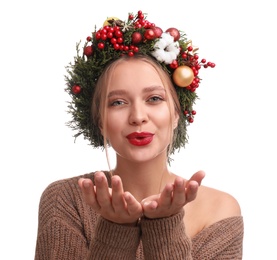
[
  {"x": 152, "y": 88},
  {"x": 117, "y": 92},
  {"x": 145, "y": 90}
]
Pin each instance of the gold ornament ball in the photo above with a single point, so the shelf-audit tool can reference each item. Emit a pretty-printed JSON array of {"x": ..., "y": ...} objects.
[
  {"x": 106, "y": 22},
  {"x": 183, "y": 76}
]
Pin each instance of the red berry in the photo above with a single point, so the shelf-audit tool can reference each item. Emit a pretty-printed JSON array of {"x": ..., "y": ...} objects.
[
  {"x": 98, "y": 35},
  {"x": 110, "y": 35},
  {"x": 118, "y": 33},
  {"x": 131, "y": 16},
  {"x": 190, "y": 48},
  {"x": 101, "y": 45},
  {"x": 103, "y": 36},
  {"x": 113, "y": 40},
  {"x": 140, "y": 15},
  {"x": 119, "y": 40},
  {"x": 116, "y": 46},
  {"x": 184, "y": 55},
  {"x": 174, "y": 64},
  {"x": 76, "y": 89}
]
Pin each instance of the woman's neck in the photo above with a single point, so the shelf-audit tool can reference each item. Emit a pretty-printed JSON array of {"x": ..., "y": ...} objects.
[{"x": 143, "y": 179}]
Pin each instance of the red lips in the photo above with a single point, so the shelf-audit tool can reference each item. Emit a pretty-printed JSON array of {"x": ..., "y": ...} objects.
[{"x": 140, "y": 139}]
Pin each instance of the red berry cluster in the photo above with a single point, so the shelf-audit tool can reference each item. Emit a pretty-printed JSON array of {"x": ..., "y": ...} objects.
[
  {"x": 190, "y": 115},
  {"x": 115, "y": 34}
]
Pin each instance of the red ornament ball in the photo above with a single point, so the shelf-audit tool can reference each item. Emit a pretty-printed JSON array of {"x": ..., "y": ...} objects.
[
  {"x": 174, "y": 33},
  {"x": 88, "y": 51},
  {"x": 76, "y": 89},
  {"x": 149, "y": 34},
  {"x": 136, "y": 38},
  {"x": 157, "y": 30}
]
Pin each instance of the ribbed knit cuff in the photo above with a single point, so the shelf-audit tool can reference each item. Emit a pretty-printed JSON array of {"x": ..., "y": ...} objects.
[
  {"x": 165, "y": 238},
  {"x": 114, "y": 241}
]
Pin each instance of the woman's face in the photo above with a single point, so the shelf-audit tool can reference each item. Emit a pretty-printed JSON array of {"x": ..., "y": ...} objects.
[{"x": 138, "y": 119}]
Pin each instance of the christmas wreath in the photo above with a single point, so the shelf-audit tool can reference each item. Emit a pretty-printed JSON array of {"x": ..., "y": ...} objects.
[{"x": 137, "y": 35}]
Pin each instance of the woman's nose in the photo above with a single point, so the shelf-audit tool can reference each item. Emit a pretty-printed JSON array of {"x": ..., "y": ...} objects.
[{"x": 138, "y": 114}]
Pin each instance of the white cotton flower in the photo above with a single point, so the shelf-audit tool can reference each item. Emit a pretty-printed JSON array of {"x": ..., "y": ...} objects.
[{"x": 166, "y": 50}]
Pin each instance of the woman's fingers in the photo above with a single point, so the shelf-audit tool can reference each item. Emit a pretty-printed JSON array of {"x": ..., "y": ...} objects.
[
  {"x": 174, "y": 196},
  {"x": 88, "y": 191},
  {"x": 121, "y": 207},
  {"x": 191, "y": 192},
  {"x": 134, "y": 208},
  {"x": 193, "y": 184},
  {"x": 165, "y": 199},
  {"x": 118, "y": 200},
  {"x": 103, "y": 195},
  {"x": 198, "y": 177},
  {"x": 112, "y": 203},
  {"x": 179, "y": 193}
]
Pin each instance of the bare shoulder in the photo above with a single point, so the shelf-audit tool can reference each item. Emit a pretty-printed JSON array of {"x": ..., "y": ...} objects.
[
  {"x": 217, "y": 204},
  {"x": 210, "y": 206}
]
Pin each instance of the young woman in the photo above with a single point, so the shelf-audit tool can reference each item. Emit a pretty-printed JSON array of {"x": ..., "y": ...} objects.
[{"x": 139, "y": 102}]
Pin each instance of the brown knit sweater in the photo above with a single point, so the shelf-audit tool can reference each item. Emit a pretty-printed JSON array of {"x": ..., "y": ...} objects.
[{"x": 68, "y": 229}]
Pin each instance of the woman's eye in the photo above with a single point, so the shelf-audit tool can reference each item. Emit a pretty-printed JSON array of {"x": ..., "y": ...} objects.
[
  {"x": 155, "y": 99},
  {"x": 116, "y": 103}
]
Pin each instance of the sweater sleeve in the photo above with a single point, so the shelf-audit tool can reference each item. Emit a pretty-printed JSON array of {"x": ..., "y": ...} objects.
[
  {"x": 222, "y": 240},
  {"x": 114, "y": 241},
  {"x": 165, "y": 238},
  {"x": 67, "y": 230}
]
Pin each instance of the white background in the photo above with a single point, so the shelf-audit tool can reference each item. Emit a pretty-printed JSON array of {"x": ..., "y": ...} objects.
[{"x": 233, "y": 137}]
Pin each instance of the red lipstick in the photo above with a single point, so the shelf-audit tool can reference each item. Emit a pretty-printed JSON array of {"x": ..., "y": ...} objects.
[{"x": 140, "y": 139}]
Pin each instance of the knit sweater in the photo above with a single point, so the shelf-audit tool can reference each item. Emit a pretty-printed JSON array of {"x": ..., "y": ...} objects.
[{"x": 68, "y": 229}]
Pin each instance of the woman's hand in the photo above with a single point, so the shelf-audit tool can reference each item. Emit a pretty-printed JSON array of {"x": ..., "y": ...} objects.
[
  {"x": 173, "y": 197},
  {"x": 112, "y": 203}
]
